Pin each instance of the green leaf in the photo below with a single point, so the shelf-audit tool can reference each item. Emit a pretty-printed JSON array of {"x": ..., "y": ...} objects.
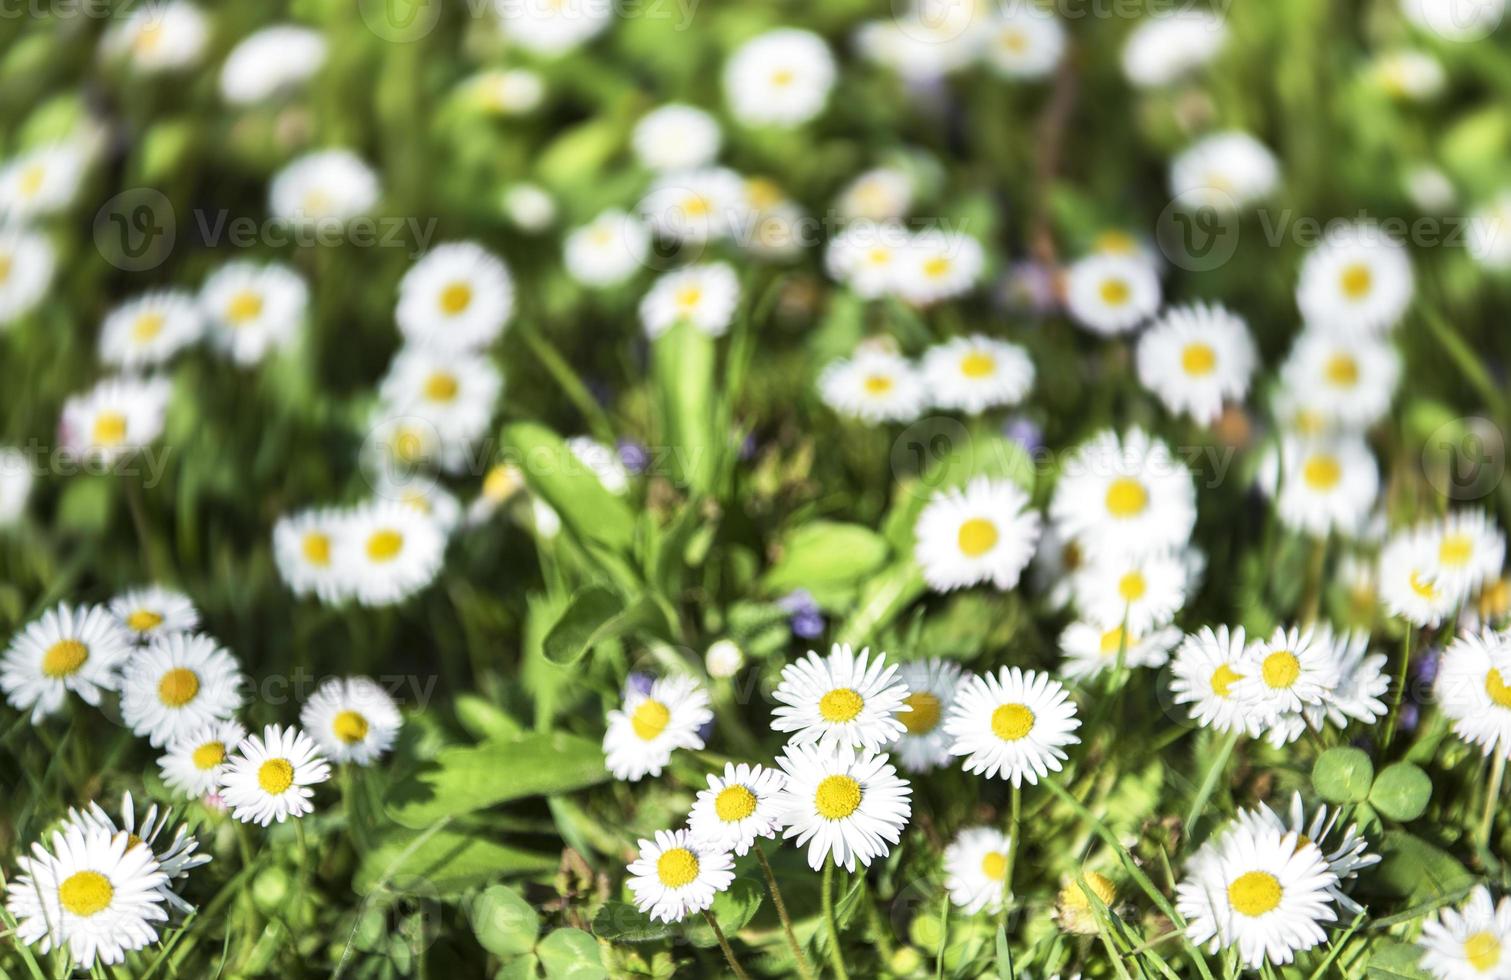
[
  {"x": 571, "y": 954},
  {"x": 684, "y": 362},
  {"x": 504, "y": 923},
  {"x": 85, "y": 504},
  {"x": 821, "y": 553},
  {"x": 1401, "y": 792},
  {"x": 881, "y": 600},
  {"x": 445, "y": 862},
  {"x": 550, "y": 469},
  {"x": 483, "y": 718},
  {"x": 597, "y": 615},
  {"x": 1413, "y": 869},
  {"x": 464, "y": 779},
  {"x": 1343, "y": 775},
  {"x": 621, "y": 922},
  {"x": 1395, "y": 961}
]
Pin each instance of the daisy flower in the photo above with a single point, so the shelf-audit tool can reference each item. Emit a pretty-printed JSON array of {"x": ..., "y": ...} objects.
[
  {"x": 643, "y": 732},
  {"x": 177, "y": 684},
  {"x": 1073, "y": 912},
  {"x": 458, "y": 297},
  {"x": 271, "y": 777},
  {"x": 115, "y": 418},
  {"x": 253, "y": 309},
  {"x": 781, "y": 78},
  {"x": 676, "y": 876},
  {"x": 1111, "y": 294},
  {"x": 1168, "y": 46},
  {"x": 1357, "y": 280},
  {"x": 505, "y": 92},
  {"x": 1223, "y": 171},
  {"x": 737, "y": 807},
  {"x": 390, "y": 552},
  {"x": 1323, "y": 485},
  {"x": 1350, "y": 379},
  {"x": 1410, "y": 582},
  {"x": 192, "y": 763},
  {"x": 676, "y": 137},
  {"x": 975, "y": 869},
  {"x": 326, "y": 187},
  {"x": 456, "y": 391},
  {"x": 552, "y": 29},
  {"x": 41, "y": 182},
  {"x": 1408, "y": 74},
  {"x": 271, "y": 62},
  {"x": 16, "y": 481},
  {"x": 880, "y": 194},
  {"x": 1489, "y": 237},
  {"x": 154, "y": 612},
  {"x": 938, "y": 265},
  {"x": 69, "y": 648},
  {"x": 1344, "y": 860},
  {"x": 1290, "y": 670},
  {"x": 149, "y": 330},
  {"x": 529, "y": 206},
  {"x": 159, "y": 37},
  {"x": 1262, "y": 890},
  {"x": 703, "y": 295},
  {"x": 424, "y": 494},
  {"x": 843, "y": 699},
  {"x": 1362, "y": 681},
  {"x": 27, "y": 263},
  {"x": 94, "y": 893},
  {"x": 1024, "y": 40},
  {"x": 694, "y": 206},
  {"x": 874, "y": 385},
  {"x": 931, "y": 688},
  {"x": 1473, "y": 689},
  {"x": 983, "y": 533},
  {"x": 305, "y": 546},
  {"x": 1196, "y": 358},
  {"x": 1471, "y": 551},
  {"x": 1205, "y": 670},
  {"x": 977, "y": 372},
  {"x": 351, "y": 719},
  {"x": 1455, "y": 20},
  {"x": 846, "y": 805},
  {"x": 1124, "y": 494},
  {"x": 1014, "y": 724},
  {"x": 868, "y": 257},
  {"x": 175, "y": 858},
  {"x": 1468, "y": 943},
  {"x": 926, "y": 42},
  {"x": 1139, "y": 591},
  {"x": 1091, "y": 649},
  {"x": 607, "y": 250},
  {"x": 1054, "y": 566}
]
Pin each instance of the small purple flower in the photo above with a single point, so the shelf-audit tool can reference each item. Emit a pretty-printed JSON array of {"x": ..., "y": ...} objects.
[
  {"x": 705, "y": 730},
  {"x": 1025, "y": 432},
  {"x": 633, "y": 455},
  {"x": 1409, "y": 716},
  {"x": 807, "y": 621},
  {"x": 1424, "y": 669},
  {"x": 638, "y": 683},
  {"x": 796, "y": 601},
  {"x": 1029, "y": 288},
  {"x": 808, "y": 625},
  {"x": 748, "y": 448}
]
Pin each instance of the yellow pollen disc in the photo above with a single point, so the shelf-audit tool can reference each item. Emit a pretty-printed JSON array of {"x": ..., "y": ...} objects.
[
  {"x": 132, "y": 840},
  {"x": 1126, "y": 497},
  {"x": 32, "y": 179},
  {"x": 879, "y": 256},
  {"x": 696, "y": 206},
  {"x": 109, "y": 428},
  {"x": 1115, "y": 292},
  {"x": 349, "y": 726},
  {"x": 143, "y": 620},
  {"x": 317, "y": 203},
  {"x": 1070, "y": 556},
  {"x": 244, "y": 307},
  {"x": 977, "y": 536},
  {"x": 1455, "y": 550},
  {"x": 782, "y": 77},
  {"x": 924, "y": 717},
  {"x": 275, "y": 776},
  {"x": 978, "y": 364},
  {"x": 677, "y": 867},
  {"x": 1072, "y": 896},
  {"x": 408, "y": 445},
  {"x": 1423, "y": 587},
  {"x": 734, "y": 803},
  {"x": 1011, "y": 722},
  {"x": 1116, "y": 241},
  {"x": 1112, "y": 641},
  {"x": 936, "y": 267},
  {"x": 84, "y": 893},
  {"x": 147, "y": 326},
  {"x": 1132, "y": 587},
  {"x": 316, "y": 548},
  {"x": 1254, "y": 893},
  {"x": 455, "y": 298},
  {"x": 1496, "y": 687},
  {"x": 878, "y": 384},
  {"x": 500, "y": 483},
  {"x": 1321, "y": 472},
  {"x": 209, "y": 755},
  {"x": 837, "y": 797},
  {"x": 688, "y": 297},
  {"x": 994, "y": 865},
  {"x": 1483, "y": 951},
  {"x": 1222, "y": 680},
  {"x": 441, "y": 387},
  {"x": 1198, "y": 359},
  {"x": 1342, "y": 370},
  {"x": 1309, "y": 423},
  {"x": 1014, "y": 41},
  {"x": 5, "y": 266},
  {"x": 1356, "y": 281},
  {"x": 650, "y": 719},
  {"x": 762, "y": 193},
  {"x": 384, "y": 545},
  {"x": 840, "y": 705},
  {"x": 178, "y": 687},
  {"x": 147, "y": 38},
  {"x": 1280, "y": 669},
  {"x": 64, "y": 658}
]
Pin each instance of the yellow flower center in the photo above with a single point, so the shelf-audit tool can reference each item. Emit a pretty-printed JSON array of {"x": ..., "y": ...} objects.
[
  {"x": 1496, "y": 687},
  {"x": 275, "y": 776},
  {"x": 1483, "y": 951},
  {"x": 837, "y": 797},
  {"x": 500, "y": 482},
  {"x": 1321, "y": 472},
  {"x": 1455, "y": 550},
  {"x": 244, "y": 307},
  {"x": 84, "y": 893},
  {"x": 696, "y": 206},
  {"x": 441, "y": 387},
  {"x": 840, "y": 705},
  {"x": 1116, "y": 241},
  {"x": 316, "y": 547},
  {"x": 924, "y": 717},
  {"x": 878, "y": 384},
  {"x": 1222, "y": 680},
  {"x": 994, "y": 865},
  {"x": 880, "y": 255},
  {"x": 1073, "y": 897},
  {"x": 209, "y": 755},
  {"x": 143, "y": 620},
  {"x": 977, "y": 536},
  {"x": 109, "y": 428},
  {"x": 1014, "y": 41},
  {"x": 688, "y": 297},
  {"x": 5, "y": 266},
  {"x": 1198, "y": 359},
  {"x": 1115, "y": 292},
  {"x": 455, "y": 298},
  {"x": 734, "y": 803},
  {"x": 64, "y": 658},
  {"x": 147, "y": 326},
  {"x": 1126, "y": 497},
  {"x": 32, "y": 180},
  {"x": 1423, "y": 587},
  {"x": 1132, "y": 586},
  {"x": 1254, "y": 893},
  {"x": 677, "y": 867},
  {"x": 178, "y": 687},
  {"x": 1112, "y": 641},
  {"x": 978, "y": 364},
  {"x": 1342, "y": 370},
  {"x": 1356, "y": 280},
  {"x": 782, "y": 77},
  {"x": 936, "y": 267},
  {"x": 1280, "y": 669},
  {"x": 384, "y": 545},
  {"x": 1011, "y": 722},
  {"x": 650, "y": 719}
]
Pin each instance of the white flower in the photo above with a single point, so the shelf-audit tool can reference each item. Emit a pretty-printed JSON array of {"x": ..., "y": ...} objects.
[
  {"x": 842, "y": 699},
  {"x": 41, "y": 182},
  {"x": 272, "y": 777},
  {"x": 1292, "y": 669},
  {"x": 986, "y": 532},
  {"x": 1455, "y": 20},
  {"x": 1357, "y": 280},
  {"x": 506, "y": 92},
  {"x": 1344, "y": 861},
  {"x": 924, "y": 43},
  {"x": 642, "y": 734},
  {"x": 874, "y": 386},
  {"x": 737, "y": 807},
  {"x": 1197, "y": 357},
  {"x": 425, "y": 494},
  {"x": 1091, "y": 649},
  {"x": 1166, "y": 47},
  {"x": 149, "y": 330},
  {"x": 703, "y": 295},
  {"x": 93, "y": 893},
  {"x": 1128, "y": 494},
  {"x": 1469, "y": 943},
  {"x": 253, "y": 309},
  {"x": 975, "y": 373},
  {"x": 868, "y": 257},
  {"x": 175, "y": 858},
  {"x": 1471, "y": 550},
  {"x": 530, "y": 206},
  {"x": 68, "y": 648},
  {"x": 1110, "y": 293},
  {"x": 192, "y": 763},
  {"x": 270, "y": 62},
  {"x": 1489, "y": 237},
  {"x": 458, "y": 297},
  {"x": 841, "y": 804},
  {"x": 694, "y": 206},
  {"x": 880, "y": 194},
  {"x": 723, "y": 659},
  {"x": 931, "y": 685},
  {"x": 1014, "y": 724},
  {"x": 159, "y": 37},
  {"x": 154, "y": 612},
  {"x": 305, "y": 546},
  {"x": 389, "y": 552},
  {"x": 607, "y": 250},
  {"x": 455, "y": 391},
  {"x": 1408, "y": 73},
  {"x": 1473, "y": 689},
  {"x": 1024, "y": 40},
  {"x": 1348, "y": 378},
  {"x": 178, "y": 684},
  {"x": 115, "y": 418},
  {"x": 1411, "y": 583},
  {"x": 781, "y": 78},
  {"x": 1206, "y": 667},
  {"x": 975, "y": 869},
  {"x": 27, "y": 262},
  {"x": 676, "y": 137},
  {"x": 326, "y": 188},
  {"x": 1361, "y": 680},
  {"x": 552, "y": 29},
  {"x": 1261, "y": 890},
  {"x": 15, "y": 485},
  {"x": 1224, "y": 171},
  {"x": 676, "y": 876},
  {"x": 938, "y": 265},
  {"x": 1322, "y": 485},
  {"x": 351, "y": 719},
  {"x": 1140, "y": 591}
]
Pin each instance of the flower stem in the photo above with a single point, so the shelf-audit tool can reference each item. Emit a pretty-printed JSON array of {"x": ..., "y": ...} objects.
[
  {"x": 1492, "y": 796},
  {"x": 836, "y": 956},
  {"x": 1395, "y": 707},
  {"x": 729, "y": 954},
  {"x": 781, "y": 913},
  {"x": 1014, "y": 810},
  {"x": 1209, "y": 781}
]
